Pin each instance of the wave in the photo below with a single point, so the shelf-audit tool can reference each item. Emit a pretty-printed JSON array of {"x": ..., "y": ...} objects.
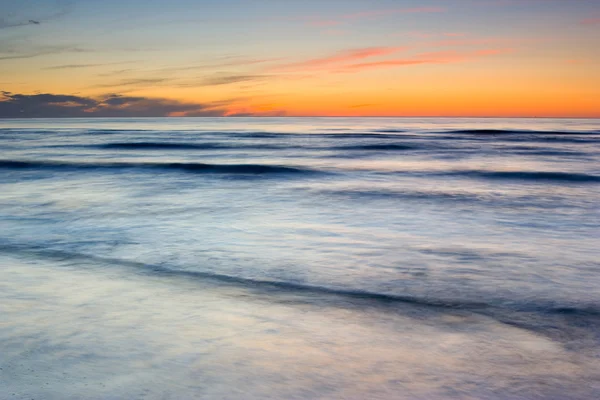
[
  {"x": 517, "y": 132},
  {"x": 377, "y": 146},
  {"x": 344, "y": 135},
  {"x": 391, "y": 130},
  {"x": 529, "y": 175},
  {"x": 360, "y": 194},
  {"x": 496, "y": 309},
  {"x": 186, "y": 167},
  {"x": 558, "y": 139},
  {"x": 159, "y": 146},
  {"x": 526, "y": 152},
  {"x": 258, "y": 135},
  {"x": 567, "y": 139},
  {"x": 512, "y": 135},
  {"x": 114, "y": 131},
  {"x": 248, "y": 282},
  {"x": 438, "y": 197},
  {"x": 241, "y": 146},
  {"x": 347, "y": 135},
  {"x": 184, "y": 146}
]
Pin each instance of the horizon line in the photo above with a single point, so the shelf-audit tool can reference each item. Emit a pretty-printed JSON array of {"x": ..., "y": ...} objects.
[{"x": 308, "y": 116}]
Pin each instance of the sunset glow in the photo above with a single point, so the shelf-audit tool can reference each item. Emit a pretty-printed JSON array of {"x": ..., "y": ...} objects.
[{"x": 521, "y": 58}]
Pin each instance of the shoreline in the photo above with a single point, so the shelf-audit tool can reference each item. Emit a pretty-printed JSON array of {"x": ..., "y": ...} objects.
[{"x": 95, "y": 333}]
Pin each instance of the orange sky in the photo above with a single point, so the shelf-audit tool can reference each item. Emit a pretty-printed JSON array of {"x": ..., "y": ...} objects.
[{"x": 379, "y": 58}]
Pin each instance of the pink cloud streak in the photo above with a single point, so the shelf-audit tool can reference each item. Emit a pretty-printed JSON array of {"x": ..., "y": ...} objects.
[
  {"x": 343, "y": 57},
  {"x": 591, "y": 21},
  {"x": 438, "y": 57}
]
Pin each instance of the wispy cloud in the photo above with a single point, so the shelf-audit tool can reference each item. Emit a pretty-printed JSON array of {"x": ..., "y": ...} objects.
[
  {"x": 363, "y": 59},
  {"x": 16, "y": 54},
  {"x": 135, "y": 82},
  {"x": 419, "y": 34},
  {"x": 229, "y": 79},
  {"x": 77, "y": 66},
  {"x": 52, "y": 10},
  {"x": 383, "y": 64},
  {"x": 377, "y": 13},
  {"x": 214, "y": 80},
  {"x": 428, "y": 35},
  {"x": 341, "y": 57},
  {"x": 512, "y": 2},
  {"x": 181, "y": 76},
  {"x": 116, "y": 72},
  {"x": 591, "y": 21},
  {"x": 223, "y": 62},
  {"x": 440, "y": 57},
  {"x": 4, "y": 24},
  {"x": 369, "y": 14}
]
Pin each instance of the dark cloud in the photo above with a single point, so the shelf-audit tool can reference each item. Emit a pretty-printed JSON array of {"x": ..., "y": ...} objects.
[
  {"x": 17, "y": 14},
  {"x": 45, "y": 105},
  {"x": 4, "y": 24}
]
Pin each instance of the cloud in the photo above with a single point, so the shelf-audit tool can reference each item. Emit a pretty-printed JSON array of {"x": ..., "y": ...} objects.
[
  {"x": 341, "y": 57},
  {"x": 591, "y": 21},
  {"x": 512, "y": 2},
  {"x": 77, "y": 66},
  {"x": 215, "y": 80},
  {"x": 229, "y": 79},
  {"x": 348, "y": 61},
  {"x": 116, "y": 72},
  {"x": 221, "y": 62},
  {"x": 428, "y": 35},
  {"x": 45, "y": 11},
  {"x": 381, "y": 64},
  {"x": 439, "y": 57},
  {"x": 135, "y": 82},
  {"x": 376, "y": 13},
  {"x": 420, "y": 35},
  {"x": 16, "y": 54},
  {"x": 179, "y": 76},
  {"x": 241, "y": 61},
  {"x": 369, "y": 15},
  {"x": 470, "y": 42},
  {"x": 4, "y": 24},
  {"x": 46, "y": 105}
]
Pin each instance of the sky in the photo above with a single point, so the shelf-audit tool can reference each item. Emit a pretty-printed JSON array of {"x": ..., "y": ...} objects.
[{"x": 142, "y": 58}]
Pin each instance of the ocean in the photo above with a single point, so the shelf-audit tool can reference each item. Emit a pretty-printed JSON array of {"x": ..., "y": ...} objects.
[{"x": 299, "y": 258}]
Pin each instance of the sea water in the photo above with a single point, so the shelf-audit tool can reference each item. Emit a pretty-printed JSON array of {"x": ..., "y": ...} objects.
[{"x": 299, "y": 258}]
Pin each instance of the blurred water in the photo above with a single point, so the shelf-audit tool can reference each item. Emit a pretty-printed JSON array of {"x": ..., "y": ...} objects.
[{"x": 300, "y": 258}]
